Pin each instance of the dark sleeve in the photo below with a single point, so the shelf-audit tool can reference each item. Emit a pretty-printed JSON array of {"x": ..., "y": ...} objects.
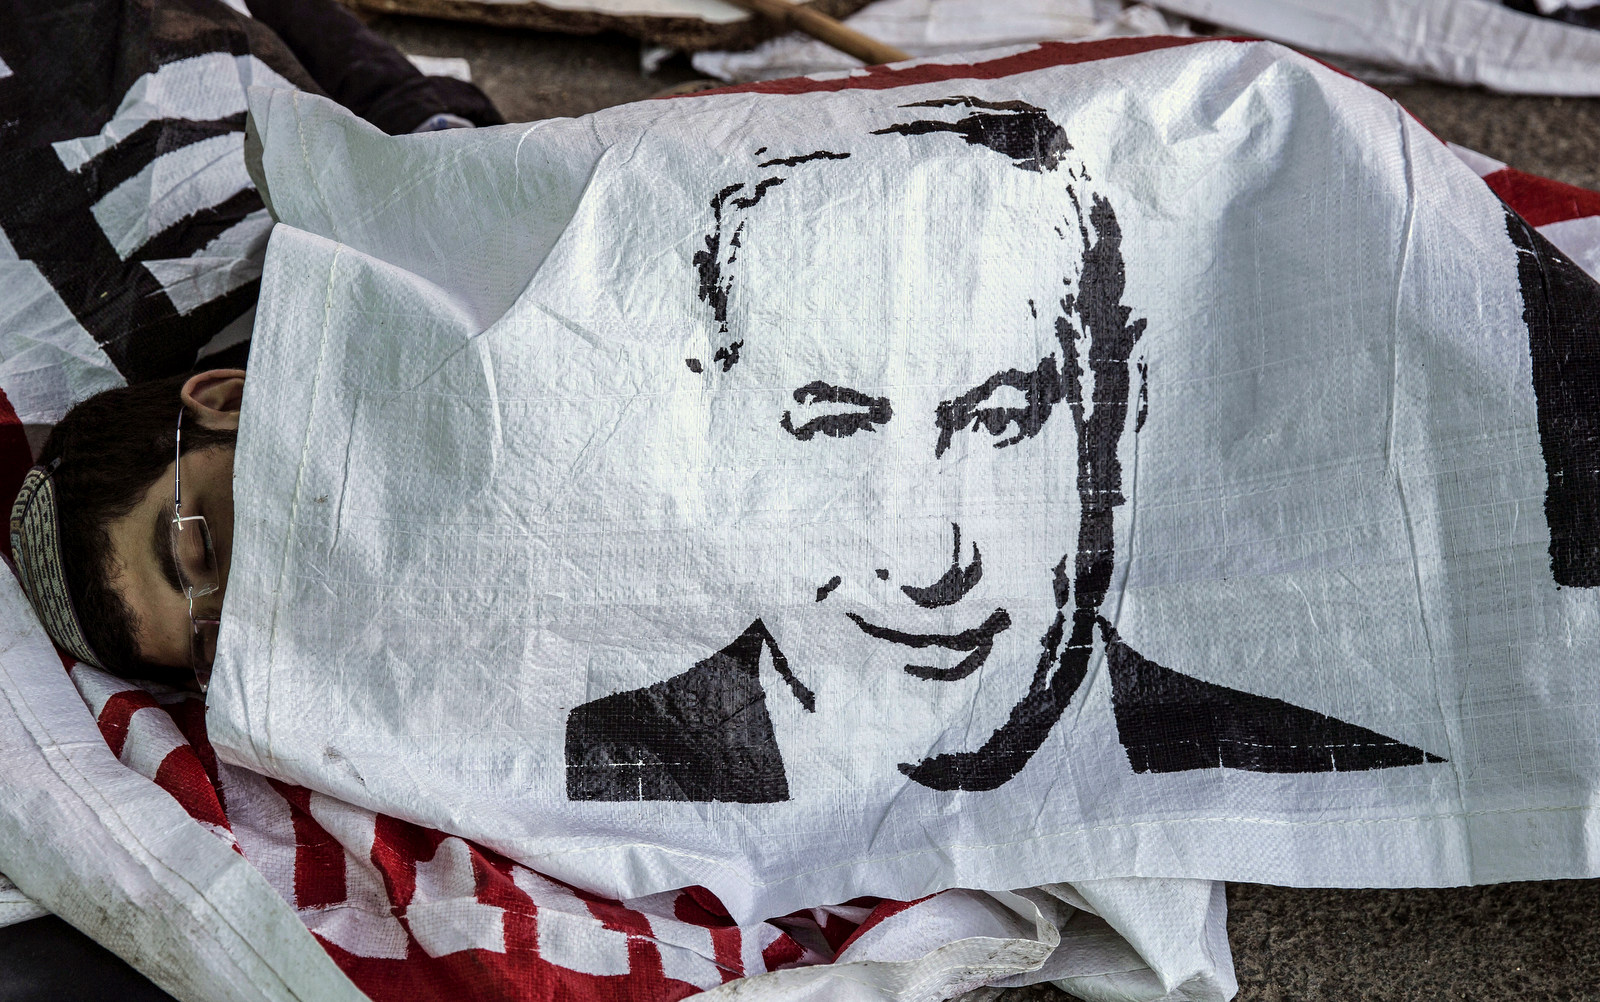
[{"x": 363, "y": 72}]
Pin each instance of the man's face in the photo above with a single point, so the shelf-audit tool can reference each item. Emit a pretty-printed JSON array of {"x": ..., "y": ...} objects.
[
  {"x": 143, "y": 571},
  {"x": 906, "y": 397}
]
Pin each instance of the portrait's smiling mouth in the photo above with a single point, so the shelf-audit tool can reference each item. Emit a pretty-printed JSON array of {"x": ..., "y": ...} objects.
[{"x": 979, "y": 640}]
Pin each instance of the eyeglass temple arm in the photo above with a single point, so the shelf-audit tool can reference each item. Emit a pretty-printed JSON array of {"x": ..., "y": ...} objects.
[{"x": 177, "y": 467}]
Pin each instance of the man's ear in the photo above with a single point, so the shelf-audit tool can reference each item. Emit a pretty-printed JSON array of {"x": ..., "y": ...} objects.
[{"x": 214, "y": 397}]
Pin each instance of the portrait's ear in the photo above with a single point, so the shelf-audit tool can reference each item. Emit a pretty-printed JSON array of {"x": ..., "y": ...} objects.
[{"x": 214, "y": 396}]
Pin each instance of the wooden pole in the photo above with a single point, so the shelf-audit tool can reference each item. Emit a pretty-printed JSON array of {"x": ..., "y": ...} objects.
[{"x": 825, "y": 29}]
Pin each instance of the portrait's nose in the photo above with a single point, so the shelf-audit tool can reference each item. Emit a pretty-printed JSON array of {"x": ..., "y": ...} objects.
[{"x": 956, "y": 582}]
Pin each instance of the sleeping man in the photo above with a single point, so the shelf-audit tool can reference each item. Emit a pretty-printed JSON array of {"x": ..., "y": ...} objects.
[
  {"x": 815, "y": 524},
  {"x": 125, "y": 575}
]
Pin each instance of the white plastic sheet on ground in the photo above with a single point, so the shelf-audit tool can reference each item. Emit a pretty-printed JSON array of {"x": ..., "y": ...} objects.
[
  {"x": 1471, "y": 42},
  {"x": 939, "y": 27},
  {"x": 967, "y": 474},
  {"x": 1455, "y": 41}
]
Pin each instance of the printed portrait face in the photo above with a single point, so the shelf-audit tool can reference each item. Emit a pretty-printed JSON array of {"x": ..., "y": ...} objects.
[
  {"x": 922, "y": 410},
  {"x": 891, "y": 418},
  {"x": 907, "y": 429}
]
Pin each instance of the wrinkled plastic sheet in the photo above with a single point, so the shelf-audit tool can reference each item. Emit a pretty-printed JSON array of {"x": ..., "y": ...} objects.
[{"x": 982, "y": 473}]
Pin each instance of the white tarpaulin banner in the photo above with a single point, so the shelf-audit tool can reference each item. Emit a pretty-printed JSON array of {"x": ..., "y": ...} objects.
[{"x": 974, "y": 474}]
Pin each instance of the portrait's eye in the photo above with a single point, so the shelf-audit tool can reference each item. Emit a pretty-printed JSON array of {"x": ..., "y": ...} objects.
[
  {"x": 1011, "y": 406},
  {"x": 1000, "y": 410},
  {"x": 834, "y": 411}
]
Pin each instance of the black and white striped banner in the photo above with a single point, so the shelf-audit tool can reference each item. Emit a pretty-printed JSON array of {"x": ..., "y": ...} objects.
[{"x": 130, "y": 232}]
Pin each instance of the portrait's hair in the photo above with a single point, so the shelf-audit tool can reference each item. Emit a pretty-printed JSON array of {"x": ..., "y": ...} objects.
[
  {"x": 1026, "y": 134},
  {"x": 111, "y": 448}
]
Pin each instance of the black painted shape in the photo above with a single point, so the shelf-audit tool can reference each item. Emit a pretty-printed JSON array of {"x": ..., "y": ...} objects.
[
  {"x": 804, "y": 158},
  {"x": 1010, "y": 747},
  {"x": 1144, "y": 396},
  {"x": 1170, "y": 722},
  {"x": 700, "y": 736},
  {"x": 760, "y": 192},
  {"x": 134, "y": 152},
  {"x": 956, "y": 582},
  {"x": 1561, "y": 306},
  {"x": 827, "y": 589},
  {"x": 780, "y": 664},
  {"x": 837, "y": 425},
  {"x": 883, "y": 574},
  {"x": 1041, "y": 388},
  {"x": 979, "y": 640},
  {"x": 830, "y": 425},
  {"x": 709, "y": 262},
  {"x": 199, "y": 228},
  {"x": 819, "y": 392},
  {"x": 728, "y": 355},
  {"x": 966, "y": 640},
  {"x": 1098, "y": 308},
  {"x": 1021, "y": 131},
  {"x": 960, "y": 670},
  {"x": 695, "y": 365}
]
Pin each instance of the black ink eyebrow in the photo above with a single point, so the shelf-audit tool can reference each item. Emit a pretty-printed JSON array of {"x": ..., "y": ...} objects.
[
  {"x": 1043, "y": 388},
  {"x": 820, "y": 392},
  {"x": 161, "y": 546},
  {"x": 803, "y": 158},
  {"x": 843, "y": 425}
]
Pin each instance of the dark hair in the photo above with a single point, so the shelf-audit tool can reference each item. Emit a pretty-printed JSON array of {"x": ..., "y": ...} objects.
[{"x": 112, "y": 447}]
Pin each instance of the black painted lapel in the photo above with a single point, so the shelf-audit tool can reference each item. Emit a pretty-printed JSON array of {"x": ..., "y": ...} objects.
[
  {"x": 1170, "y": 722},
  {"x": 700, "y": 736},
  {"x": 1561, "y": 305}
]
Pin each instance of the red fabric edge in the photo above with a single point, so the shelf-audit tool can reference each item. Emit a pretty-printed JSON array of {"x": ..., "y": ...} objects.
[
  {"x": 116, "y": 716},
  {"x": 885, "y": 909},
  {"x": 1540, "y": 200},
  {"x": 1046, "y": 54}
]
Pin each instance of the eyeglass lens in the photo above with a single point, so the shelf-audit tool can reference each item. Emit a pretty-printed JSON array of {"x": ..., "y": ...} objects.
[
  {"x": 197, "y": 572},
  {"x": 203, "y": 650},
  {"x": 196, "y": 560},
  {"x": 196, "y": 557}
]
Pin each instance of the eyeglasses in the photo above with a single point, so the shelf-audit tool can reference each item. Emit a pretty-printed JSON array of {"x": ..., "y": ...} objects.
[{"x": 196, "y": 560}]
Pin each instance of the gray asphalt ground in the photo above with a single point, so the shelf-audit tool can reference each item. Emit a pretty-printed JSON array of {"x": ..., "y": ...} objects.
[{"x": 1504, "y": 943}]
